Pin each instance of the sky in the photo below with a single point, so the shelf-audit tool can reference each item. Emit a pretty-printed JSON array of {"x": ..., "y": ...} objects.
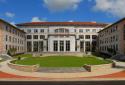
[{"x": 20, "y": 11}]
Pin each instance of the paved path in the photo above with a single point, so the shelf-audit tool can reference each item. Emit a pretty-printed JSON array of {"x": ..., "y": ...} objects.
[
  {"x": 4, "y": 68},
  {"x": 61, "y": 70}
]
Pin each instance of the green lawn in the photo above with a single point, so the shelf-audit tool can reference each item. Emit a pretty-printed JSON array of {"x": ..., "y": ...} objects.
[{"x": 60, "y": 61}]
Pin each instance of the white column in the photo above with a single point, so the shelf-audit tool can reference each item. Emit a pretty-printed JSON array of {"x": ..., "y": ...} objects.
[
  {"x": 90, "y": 42},
  {"x": 64, "y": 46},
  {"x": 32, "y": 46},
  {"x": 45, "y": 46},
  {"x": 78, "y": 44},
  {"x": 58, "y": 46},
  {"x": 84, "y": 47}
]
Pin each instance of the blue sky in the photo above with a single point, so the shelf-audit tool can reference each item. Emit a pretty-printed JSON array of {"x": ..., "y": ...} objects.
[{"x": 18, "y": 11}]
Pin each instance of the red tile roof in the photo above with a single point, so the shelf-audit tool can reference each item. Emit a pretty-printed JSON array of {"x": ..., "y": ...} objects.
[{"x": 62, "y": 24}]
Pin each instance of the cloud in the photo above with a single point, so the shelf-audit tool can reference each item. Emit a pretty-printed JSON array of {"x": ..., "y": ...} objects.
[
  {"x": 12, "y": 23},
  {"x": 114, "y": 7},
  {"x": 9, "y": 14},
  {"x": 37, "y": 19},
  {"x": 61, "y": 5},
  {"x": 71, "y": 21}
]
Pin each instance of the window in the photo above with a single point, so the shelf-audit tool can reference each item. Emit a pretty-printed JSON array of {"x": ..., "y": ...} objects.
[
  {"x": 66, "y": 31},
  {"x": 29, "y": 36},
  {"x": 87, "y": 30},
  {"x": 94, "y": 36},
  {"x": 67, "y": 45},
  {"x": 81, "y": 36},
  {"x": 61, "y": 45},
  {"x": 87, "y": 36},
  {"x": 94, "y": 30},
  {"x": 29, "y": 46},
  {"x": 124, "y": 32},
  {"x": 35, "y": 37},
  {"x": 55, "y": 46},
  {"x": 42, "y": 36},
  {"x": 6, "y": 47},
  {"x": 41, "y": 46},
  {"x": 87, "y": 46},
  {"x": 35, "y": 31},
  {"x": 62, "y": 30},
  {"x": 10, "y": 38},
  {"x": 80, "y": 30},
  {"x": 6, "y": 37},
  {"x": 29, "y": 31},
  {"x": 35, "y": 43},
  {"x": 42, "y": 30}
]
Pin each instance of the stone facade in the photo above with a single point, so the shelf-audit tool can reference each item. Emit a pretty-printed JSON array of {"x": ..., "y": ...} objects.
[
  {"x": 11, "y": 37},
  {"x": 113, "y": 37},
  {"x": 61, "y": 37}
]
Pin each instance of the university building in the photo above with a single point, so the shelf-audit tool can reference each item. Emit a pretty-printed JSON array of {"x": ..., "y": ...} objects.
[
  {"x": 11, "y": 37},
  {"x": 113, "y": 36},
  {"x": 59, "y": 37}
]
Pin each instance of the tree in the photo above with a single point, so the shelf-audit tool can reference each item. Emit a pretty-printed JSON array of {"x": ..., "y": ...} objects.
[
  {"x": 12, "y": 51},
  {"x": 112, "y": 51}
]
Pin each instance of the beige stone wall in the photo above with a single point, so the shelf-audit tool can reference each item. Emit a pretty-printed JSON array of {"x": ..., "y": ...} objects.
[
  {"x": 1, "y": 38},
  {"x": 26, "y": 68},
  {"x": 12, "y": 44},
  {"x": 119, "y": 33},
  {"x": 103, "y": 67},
  {"x": 121, "y": 37}
]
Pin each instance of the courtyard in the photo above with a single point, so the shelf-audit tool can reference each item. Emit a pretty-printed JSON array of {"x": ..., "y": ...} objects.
[{"x": 60, "y": 61}]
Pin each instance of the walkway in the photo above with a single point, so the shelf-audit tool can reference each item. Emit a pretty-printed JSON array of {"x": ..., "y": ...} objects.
[
  {"x": 4, "y": 68},
  {"x": 61, "y": 70}
]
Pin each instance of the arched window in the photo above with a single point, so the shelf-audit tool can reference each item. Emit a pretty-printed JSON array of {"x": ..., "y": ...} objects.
[{"x": 62, "y": 30}]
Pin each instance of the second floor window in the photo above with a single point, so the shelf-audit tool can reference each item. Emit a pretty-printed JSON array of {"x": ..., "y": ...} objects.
[
  {"x": 61, "y": 30},
  {"x": 42, "y": 30},
  {"x": 35, "y": 37},
  {"x": 81, "y": 36},
  {"x": 29, "y": 36},
  {"x": 42, "y": 36},
  {"x": 29, "y": 31},
  {"x": 87, "y": 36},
  {"x": 87, "y": 30},
  {"x": 35, "y": 30},
  {"x": 81, "y": 30}
]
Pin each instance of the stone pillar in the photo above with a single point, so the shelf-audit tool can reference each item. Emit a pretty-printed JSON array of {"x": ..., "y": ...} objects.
[
  {"x": 78, "y": 46},
  {"x": 84, "y": 46},
  {"x": 58, "y": 46},
  {"x": 65, "y": 46}
]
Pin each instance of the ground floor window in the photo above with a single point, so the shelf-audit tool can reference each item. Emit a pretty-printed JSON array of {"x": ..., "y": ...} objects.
[
  {"x": 61, "y": 45},
  {"x": 94, "y": 44},
  {"x": 29, "y": 46},
  {"x": 35, "y": 47},
  {"x": 82, "y": 45},
  {"x": 87, "y": 46},
  {"x": 41, "y": 46},
  {"x": 67, "y": 45},
  {"x": 55, "y": 46}
]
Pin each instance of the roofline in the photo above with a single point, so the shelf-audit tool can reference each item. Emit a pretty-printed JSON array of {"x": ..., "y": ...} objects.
[
  {"x": 12, "y": 25},
  {"x": 113, "y": 24},
  {"x": 59, "y": 23}
]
